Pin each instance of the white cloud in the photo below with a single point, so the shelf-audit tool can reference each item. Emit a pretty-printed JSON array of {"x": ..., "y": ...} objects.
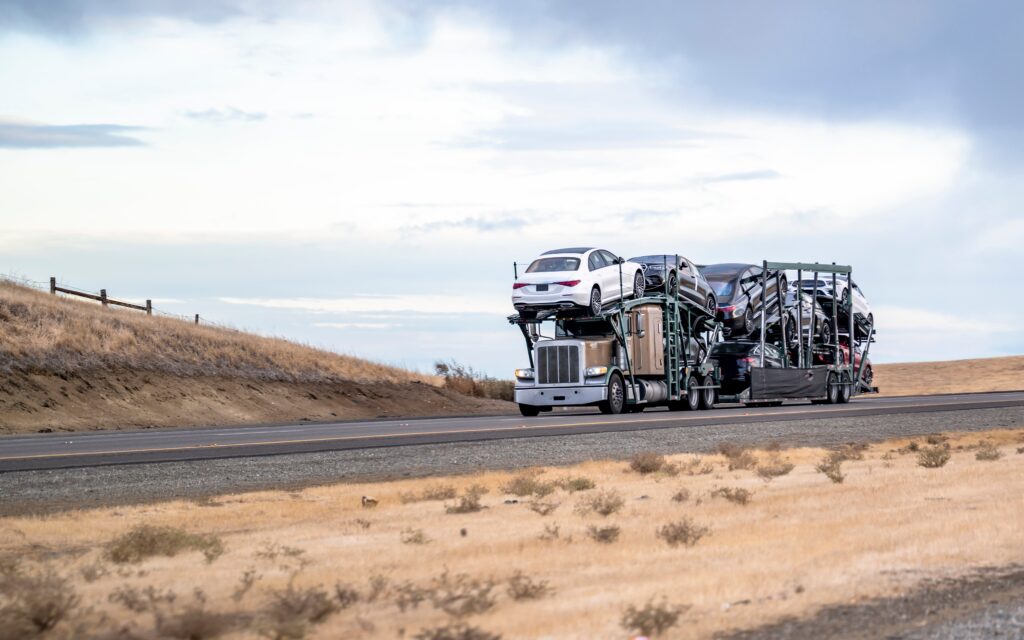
[
  {"x": 357, "y": 325},
  {"x": 440, "y": 304}
]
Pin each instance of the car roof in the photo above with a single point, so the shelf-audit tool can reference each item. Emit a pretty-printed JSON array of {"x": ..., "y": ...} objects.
[
  {"x": 663, "y": 255},
  {"x": 725, "y": 269},
  {"x": 575, "y": 250}
]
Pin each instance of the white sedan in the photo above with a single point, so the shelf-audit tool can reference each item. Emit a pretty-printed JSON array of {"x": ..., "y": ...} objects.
[{"x": 577, "y": 277}]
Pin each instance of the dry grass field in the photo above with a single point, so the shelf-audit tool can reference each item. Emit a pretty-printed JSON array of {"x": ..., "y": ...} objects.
[
  {"x": 71, "y": 365},
  {"x": 951, "y": 376},
  {"x": 696, "y": 546}
]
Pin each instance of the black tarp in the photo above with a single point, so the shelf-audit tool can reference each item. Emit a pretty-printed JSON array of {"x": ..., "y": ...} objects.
[{"x": 770, "y": 383}]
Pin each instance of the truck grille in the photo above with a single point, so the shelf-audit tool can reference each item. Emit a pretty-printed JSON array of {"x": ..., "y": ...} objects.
[{"x": 558, "y": 364}]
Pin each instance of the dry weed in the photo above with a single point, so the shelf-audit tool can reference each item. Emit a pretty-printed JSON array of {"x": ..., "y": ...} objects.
[
  {"x": 831, "y": 466},
  {"x": 414, "y": 536},
  {"x": 602, "y": 503},
  {"x": 682, "y": 495},
  {"x": 33, "y": 602},
  {"x": 573, "y": 484},
  {"x": 145, "y": 541},
  {"x": 682, "y": 532},
  {"x": 551, "y": 532},
  {"x": 435, "y": 492},
  {"x": 523, "y": 587},
  {"x": 469, "y": 501},
  {"x": 291, "y": 611},
  {"x": 605, "y": 535},
  {"x": 774, "y": 467},
  {"x": 736, "y": 495},
  {"x": 461, "y": 595},
  {"x": 988, "y": 451},
  {"x": 542, "y": 508},
  {"x": 933, "y": 457},
  {"x": 527, "y": 484},
  {"x": 647, "y": 462},
  {"x": 737, "y": 457},
  {"x": 696, "y": 466},
  {"x": 456, "y": 631},
  {"x": 653, "y": 619},
  {"x": 345, "y": 594}
]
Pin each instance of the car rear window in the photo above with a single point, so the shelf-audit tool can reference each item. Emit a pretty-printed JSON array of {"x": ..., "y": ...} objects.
[
  {"x": 544, "y": 265},
  {"x": 722, "y": 289}
]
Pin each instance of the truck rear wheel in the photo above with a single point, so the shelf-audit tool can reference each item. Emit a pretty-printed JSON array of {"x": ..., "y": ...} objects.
[
  {"x": 707, "y": 396},
  {"x": 616, "y": 396},
  {"x": 832, "y": 389},
  {"x": 845, "y": 390},
  {"x": 529, "y": 410}
]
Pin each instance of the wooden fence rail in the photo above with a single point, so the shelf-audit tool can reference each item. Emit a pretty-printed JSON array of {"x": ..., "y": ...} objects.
[{"x": 103, "y": 298}]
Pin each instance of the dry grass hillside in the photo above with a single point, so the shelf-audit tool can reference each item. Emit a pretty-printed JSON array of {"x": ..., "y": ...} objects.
[
  {"x": 682, "y": 545},
  {"x": 71, "y": 364},
  {"x": 951, "y": 376}
]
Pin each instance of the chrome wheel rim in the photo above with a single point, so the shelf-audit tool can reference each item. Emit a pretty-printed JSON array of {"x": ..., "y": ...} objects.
[{"x": 616, "y": 395}]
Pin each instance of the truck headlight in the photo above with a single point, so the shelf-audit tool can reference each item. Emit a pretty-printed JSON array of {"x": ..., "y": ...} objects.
[
  {"x": 596, "y": 371},
  {"x": 524, "y": 374}
]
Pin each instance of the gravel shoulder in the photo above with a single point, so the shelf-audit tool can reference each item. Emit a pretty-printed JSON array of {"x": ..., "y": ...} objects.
[
  {"x": 986, "y": 604},
  {"x": 27, "y": 492}
]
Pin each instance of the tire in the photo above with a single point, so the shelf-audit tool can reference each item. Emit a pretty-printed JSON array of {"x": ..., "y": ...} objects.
[
  {"x": 707, "y": 396},
  {"x": 616, "y": 401},
  {"x": 529, "y": 410},
  {"x": 867, "y": 377},
  {"x": 691, "y": 402},
  {"x": 673, "y": 282},
  {"x": 748, "y": 323},
  {"x": 595, "y": 301},
  {"x": 831, "y": 389},
  {"x": 639, "y": 284},
  {"x": 792, "y": 333},
  {"x": 844, "y": 391},
  {"x": 711, "y": 305},
  {"x": 826, "y": 333}
]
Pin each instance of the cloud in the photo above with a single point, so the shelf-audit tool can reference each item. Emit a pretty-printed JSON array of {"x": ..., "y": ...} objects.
[
  {"x": 75, "y": 17},
  {"x": 228, "y": 114},
  {"x": 419, "y": 303},
  {"x": 496, "y": 222},
  {"x": 763, "y": 174},
  {"x": 357, "y": 325},
  {"x": 539, "y": 134},
  {"x": 24, "y": 135}
]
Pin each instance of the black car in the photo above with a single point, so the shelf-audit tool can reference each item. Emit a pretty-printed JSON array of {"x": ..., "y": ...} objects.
[
  {"x": 738, "y": 290},
  {"x": 736, "y": 357},
  {"x": 664, "y": 269}
]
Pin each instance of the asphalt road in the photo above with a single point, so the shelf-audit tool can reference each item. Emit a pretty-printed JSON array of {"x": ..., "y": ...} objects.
[{"x": 61, "y": 451}]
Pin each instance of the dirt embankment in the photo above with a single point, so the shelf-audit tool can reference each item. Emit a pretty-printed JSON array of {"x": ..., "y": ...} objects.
[{"x": 72, "y": 365}]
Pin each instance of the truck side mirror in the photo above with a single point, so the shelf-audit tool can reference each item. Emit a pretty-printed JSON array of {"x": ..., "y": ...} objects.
[{"x": 641, "y": 324}]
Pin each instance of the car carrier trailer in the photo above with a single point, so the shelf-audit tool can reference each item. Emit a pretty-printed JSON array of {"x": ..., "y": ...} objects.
[
  {"x": 637, "y": 353},
  {"x": 834, "y": 383}
]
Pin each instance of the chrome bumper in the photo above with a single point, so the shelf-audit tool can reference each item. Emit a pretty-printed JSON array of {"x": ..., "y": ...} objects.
[{"x": 569, "y": 396}]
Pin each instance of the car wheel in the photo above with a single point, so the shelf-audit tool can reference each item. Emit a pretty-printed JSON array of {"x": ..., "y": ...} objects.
[
  {"x": 529, "y": 410},
  {"x": 616, "y": 396},
  {"x": 792, "y": 333},
  {"x": 595, "y": 301},
  {"x": 639, "y": 284},
  {"x": 707, "y": 396},
  {"x": 867, "y": 377},
  {"x": 711, "y": 305},
  {"x": 748, "y": 323},
  {"x": 826, "y": 333},
  {"x": 832, "y": 389},
  {"x": 673, "y": 282}
]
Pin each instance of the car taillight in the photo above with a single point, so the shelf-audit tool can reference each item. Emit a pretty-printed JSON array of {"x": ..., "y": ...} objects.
[
  {"x": 568, "y": 283},
  {"x": 748, "y": 360},
  {"x": 728, "y": 309},
  {"x": 518, "y": 285}
]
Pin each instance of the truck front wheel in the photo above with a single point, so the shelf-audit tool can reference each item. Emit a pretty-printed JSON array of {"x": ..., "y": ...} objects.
[
  {"x": 616, "y": 396},
  {"x": 529, "y": 410}
]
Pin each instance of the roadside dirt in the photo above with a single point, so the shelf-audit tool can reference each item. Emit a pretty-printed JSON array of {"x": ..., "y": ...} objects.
[
  {"x": 950, "y": 376},
  {"x": 93, "y": 400}
]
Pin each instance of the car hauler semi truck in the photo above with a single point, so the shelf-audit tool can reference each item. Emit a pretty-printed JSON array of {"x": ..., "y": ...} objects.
[
  {"x": 647, "y": 351},
  {"x": 798, "y": 378}
]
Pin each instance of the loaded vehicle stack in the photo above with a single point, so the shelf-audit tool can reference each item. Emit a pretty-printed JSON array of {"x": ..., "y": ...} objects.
[{"x": 597, "y": 333}]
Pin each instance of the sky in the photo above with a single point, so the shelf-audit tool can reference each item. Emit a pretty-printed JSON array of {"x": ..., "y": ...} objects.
[{"x": 361, "y": 176}]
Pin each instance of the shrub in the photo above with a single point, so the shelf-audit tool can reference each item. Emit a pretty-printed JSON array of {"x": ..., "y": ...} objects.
[
  {"x": 291, "y": 611},
  {"x": 1020, "y": 449},
  {"x": 647, "y": 462},
  {"x": 456, "y": 631},
  {"x": 409, "y": 596},
  {"x": 435, "y": 492},
  {"x": 414, "y": 536},
  {"x": 736, "y": 495},
  {"x": 683, "y": 532},
  {"x": 603, "y": 503},
  {"x": 463, "y": 379},
  {"x": 543, "y": 508},
  {"x": 379, "y": 586},
  {"x": 145, "y": 541},
  {"x": 774, "y": 467},
  {"x": 696, "y": 466},
  {"x": 469, "y": 501},
  {"x": 831, "y": 466},
  {"x": 345, "y": 594},
  {"x": 653, "y": 619},
  {"x": 682, "y": 495},
  {"x": 988, "y": 451},
  {"x": 93, "y": 572},
  {"x": 526, "y": 485},
  {"x": 853, "y": 451},
  {"x": 551, "y": 532},
  {"x": 461, "y": 595},
  {"x": 574, "y": 484},
  {"x": 737, "y": 457},
  {"x": 933, "y": 457},
  {"x": 605, "y": 535},
  {"x": 33, "y": 603},
  {"x": 522, "y": 587},
  {"x": 194, "y": 622}
]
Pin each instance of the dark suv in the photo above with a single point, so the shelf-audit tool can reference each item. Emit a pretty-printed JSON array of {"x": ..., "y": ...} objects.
[{"x": 736, "y": 357}]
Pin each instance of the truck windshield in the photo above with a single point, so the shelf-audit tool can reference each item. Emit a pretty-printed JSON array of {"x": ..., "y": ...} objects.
[
  {"x": 545, "y": 265},
  {"x": 582, "y": 328}
]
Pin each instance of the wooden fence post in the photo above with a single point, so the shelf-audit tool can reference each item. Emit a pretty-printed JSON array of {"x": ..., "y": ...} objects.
[
  {"x": 53, "y": 285},
  {"x": 197, "y": 318},
  {"x": 149, "y": 307},
  {"x": 103, "y": 297}
]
